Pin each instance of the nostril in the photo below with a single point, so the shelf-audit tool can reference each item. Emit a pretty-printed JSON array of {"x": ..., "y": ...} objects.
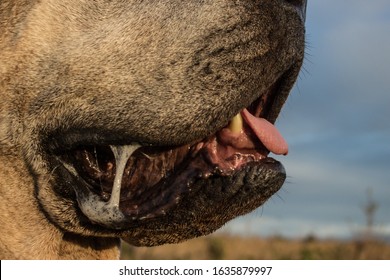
[
  {"x": 297, "y": 3},
  {"x": 300, "y": 5}
]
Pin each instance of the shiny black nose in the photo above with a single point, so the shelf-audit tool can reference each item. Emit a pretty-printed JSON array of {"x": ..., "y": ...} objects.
[{"x": 300, "y": 5}]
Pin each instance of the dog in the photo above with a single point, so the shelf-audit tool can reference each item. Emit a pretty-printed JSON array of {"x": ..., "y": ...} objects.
[{"x": 144, "y": 121}]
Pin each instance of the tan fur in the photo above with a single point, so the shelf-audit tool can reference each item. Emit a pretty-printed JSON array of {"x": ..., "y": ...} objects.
[{"x": 104, "y": 68}]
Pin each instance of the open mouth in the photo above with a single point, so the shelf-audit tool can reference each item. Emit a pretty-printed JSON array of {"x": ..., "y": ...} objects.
[{"x": 118, "y": 184}]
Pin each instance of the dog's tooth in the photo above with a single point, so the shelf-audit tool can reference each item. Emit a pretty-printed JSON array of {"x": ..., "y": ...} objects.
[{"x": 236, "y": 124}]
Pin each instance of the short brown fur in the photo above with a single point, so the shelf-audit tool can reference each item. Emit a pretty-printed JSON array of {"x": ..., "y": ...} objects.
[{"x": 151, "y": 71}]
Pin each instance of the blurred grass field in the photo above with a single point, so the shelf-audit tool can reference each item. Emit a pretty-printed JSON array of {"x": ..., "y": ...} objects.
[{"x": 225, "y": 247}]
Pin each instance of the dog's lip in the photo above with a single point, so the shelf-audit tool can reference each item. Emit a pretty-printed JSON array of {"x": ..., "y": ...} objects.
[
  {"x": 148, "y": 191},
  {"x": 156, "y": 178}
]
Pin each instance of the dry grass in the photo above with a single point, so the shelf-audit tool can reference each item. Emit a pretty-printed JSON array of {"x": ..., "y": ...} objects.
[{"x": 229, "y": 247}]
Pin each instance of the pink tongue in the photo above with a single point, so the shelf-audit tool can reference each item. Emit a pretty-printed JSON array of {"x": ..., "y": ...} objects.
[{"x": 267, "y": 133}]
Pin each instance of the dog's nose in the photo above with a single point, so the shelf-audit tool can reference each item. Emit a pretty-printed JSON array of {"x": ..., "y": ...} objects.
[{"x": 300, "y": 5}]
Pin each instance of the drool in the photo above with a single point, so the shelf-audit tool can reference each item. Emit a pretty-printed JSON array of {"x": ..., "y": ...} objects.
[{"x": 107, "y": 212}]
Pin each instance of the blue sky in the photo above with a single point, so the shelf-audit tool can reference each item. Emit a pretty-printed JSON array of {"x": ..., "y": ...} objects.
[{"x": 337, "y": 123}]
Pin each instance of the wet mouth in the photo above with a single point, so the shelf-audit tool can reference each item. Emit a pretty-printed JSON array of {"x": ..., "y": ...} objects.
[{"x": 118, "y": 184}]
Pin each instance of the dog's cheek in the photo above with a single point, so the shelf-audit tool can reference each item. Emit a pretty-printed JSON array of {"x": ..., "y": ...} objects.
[
  {"x": 56, "y": 200},
  {"x": 206, "y": 72},
  {"x": 58, "y": 210}
]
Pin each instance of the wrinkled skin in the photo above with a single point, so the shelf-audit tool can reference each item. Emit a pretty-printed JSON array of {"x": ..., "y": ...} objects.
[{"x": 157, "y": 73}]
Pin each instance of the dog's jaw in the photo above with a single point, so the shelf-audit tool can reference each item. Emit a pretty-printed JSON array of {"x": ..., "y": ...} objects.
[
  {"x": 101, "y": 88},
  {"x": 231, "y": 165}
]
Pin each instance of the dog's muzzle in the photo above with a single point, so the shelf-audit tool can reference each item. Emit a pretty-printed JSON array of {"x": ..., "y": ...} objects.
[{"x": 119, "y": 184}]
